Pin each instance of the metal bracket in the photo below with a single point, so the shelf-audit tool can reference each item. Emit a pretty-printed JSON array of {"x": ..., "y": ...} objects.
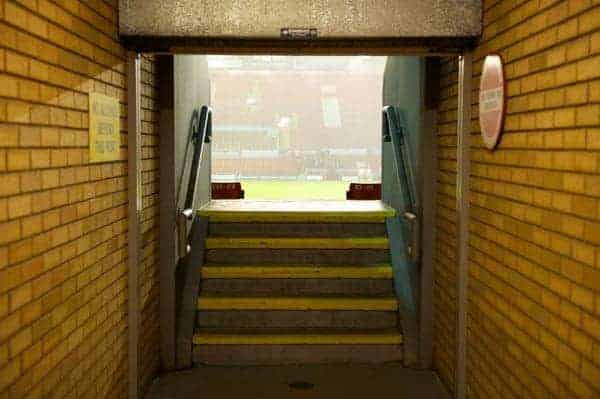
[
  {"x": 413, "y": 226},
  {"x": 183, "y": 216},
  {"x": 299, "y": 33}
]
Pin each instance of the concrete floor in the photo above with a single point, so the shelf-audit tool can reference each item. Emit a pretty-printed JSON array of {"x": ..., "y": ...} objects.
[{"x": 273, "y": 382}]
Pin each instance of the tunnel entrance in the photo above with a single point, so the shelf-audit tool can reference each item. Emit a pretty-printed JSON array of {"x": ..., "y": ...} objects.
[{"x": 332, "y": 281}]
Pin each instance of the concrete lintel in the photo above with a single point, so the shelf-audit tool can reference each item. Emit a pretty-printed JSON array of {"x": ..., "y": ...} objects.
[{"x": 297, "y": 19}]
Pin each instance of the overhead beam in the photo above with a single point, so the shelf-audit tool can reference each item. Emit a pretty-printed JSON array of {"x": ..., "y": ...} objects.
[
  {"x": 261, "y": 19},
  {"x": 299, "y": 26}
]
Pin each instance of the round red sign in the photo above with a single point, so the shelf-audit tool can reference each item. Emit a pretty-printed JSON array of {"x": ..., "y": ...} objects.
[{"x": 491, "y": 100}]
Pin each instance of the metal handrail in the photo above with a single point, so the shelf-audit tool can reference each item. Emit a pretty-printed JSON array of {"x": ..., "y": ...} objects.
[
  {"x": 201, "y": 132},
  {"x": 393, "y": 132}
]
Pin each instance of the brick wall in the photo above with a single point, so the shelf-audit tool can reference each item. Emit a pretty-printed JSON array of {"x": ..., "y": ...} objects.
[
  {"x": 149, "y": 267},
  {"x": 63, "y": 221},
  {"x": 446, "y": 224},
  {"x": 534, "y": 296}
]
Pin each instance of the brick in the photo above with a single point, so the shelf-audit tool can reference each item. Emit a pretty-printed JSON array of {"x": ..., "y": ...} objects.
[
  {"x": 568, "y": 356},
  {"x": 9, "y": 135},
  {"x": 3, "y": 209},
  {"x": 32, "y": 355},
  {"x": 589, "y": 21},
  {"x": 575, "y": 139},
  {"x": 593, "y": 138},
  {"x": 31, "y": 181},
  {"x": 17, "y": 64},
  {"x": 17, "y": 159},
  {"x": 583, "y": 297},
  {"x": 20, "y": 296},
  {"x": 578, "y": 49},
  {"x": 31, "y": 225},
  {"x": 564, "y": 117},
  {"x": 586, "y": 162},
  {"x": 11, "y": 231},
  {"x": 579, "y": 387},
  {"x": 3, "y": 306},
  {"x": 19, "y": 206},
  {"x": 588, "y": 115},
  {"x": 588, "y": 68},
  {"x": 8, "y": 86},
  {"x": 20, "y": 342},
  {"x": 9, "y": 373},
  {"x": 577, "y": 94},
  {"x": 592, "y": 232},
  {"x": 567, "y": 30},
  {"x": 40, "y": 158},
  {"x": 569, "y": 73},
  {"x": 595, "y": 43}
]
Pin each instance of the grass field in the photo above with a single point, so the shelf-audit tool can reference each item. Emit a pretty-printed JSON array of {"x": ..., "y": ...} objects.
[{"x": 295, "y": 190}]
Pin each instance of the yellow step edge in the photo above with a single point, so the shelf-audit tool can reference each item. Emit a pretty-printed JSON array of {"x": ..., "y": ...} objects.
[
  {"x": 290, "y": 271},
  {"x": 296, "y": 217},
  {"x": 286, "y": 211},
  {"x": 297, "y": 243},
  {"x": 375, "y": 338},
  {"x": 297, "y": 303}
]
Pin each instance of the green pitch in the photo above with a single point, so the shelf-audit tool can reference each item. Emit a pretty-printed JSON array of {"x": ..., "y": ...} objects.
[{"x": 295, "y": 190}]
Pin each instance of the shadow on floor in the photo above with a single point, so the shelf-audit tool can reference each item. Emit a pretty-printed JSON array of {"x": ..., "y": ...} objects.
[{"x": 314, "y": 382}]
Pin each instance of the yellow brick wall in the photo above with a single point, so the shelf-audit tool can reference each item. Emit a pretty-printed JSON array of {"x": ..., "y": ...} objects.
[
  {"x": 445, "y": 258},
  {"x": 63, "y": 221},
  {"x": 534, "y": 294}
]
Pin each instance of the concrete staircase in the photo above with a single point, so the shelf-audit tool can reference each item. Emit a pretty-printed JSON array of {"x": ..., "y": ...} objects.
[{"x": 292, "y": 283}]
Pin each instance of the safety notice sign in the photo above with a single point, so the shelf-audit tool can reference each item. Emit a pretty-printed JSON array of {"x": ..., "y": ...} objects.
[{"x": 105, "y": 139}]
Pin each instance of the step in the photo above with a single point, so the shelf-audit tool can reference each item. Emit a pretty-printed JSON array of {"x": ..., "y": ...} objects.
[
  {"x": 293, "y": 319},
  {"x": 243, "y": 348},
  {"x": 298, "y": 287},
  {"x": 339, "y": 230},
  {"x": 297, "y": 243},
  {"x": 245, "y": 211},
  {"x": 217, "y": 271},
  {"x": 296, "y": 303},
  {"x": 275, "y": 355},
  {"x": 262, "y": 256},
  {"x": 325, "y": 337}
]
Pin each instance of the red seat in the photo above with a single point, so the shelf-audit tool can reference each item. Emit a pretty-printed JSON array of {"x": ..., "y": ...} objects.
[
  {"x": 227, "y": 191},
  {"x": 364, "y": 191}
]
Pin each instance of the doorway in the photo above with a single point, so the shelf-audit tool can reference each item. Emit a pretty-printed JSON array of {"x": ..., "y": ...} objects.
[{"x": 421, "y": 280}]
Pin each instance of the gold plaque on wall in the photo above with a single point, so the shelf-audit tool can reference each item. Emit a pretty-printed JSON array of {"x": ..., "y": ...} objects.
[{"x": 105, "y": 138}]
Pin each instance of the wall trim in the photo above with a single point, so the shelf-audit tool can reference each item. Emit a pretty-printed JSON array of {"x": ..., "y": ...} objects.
[
  {"x": 167, "y": 202},
  {"x": 465, "y": 76},
  {"x": 134, "y": 198}
]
